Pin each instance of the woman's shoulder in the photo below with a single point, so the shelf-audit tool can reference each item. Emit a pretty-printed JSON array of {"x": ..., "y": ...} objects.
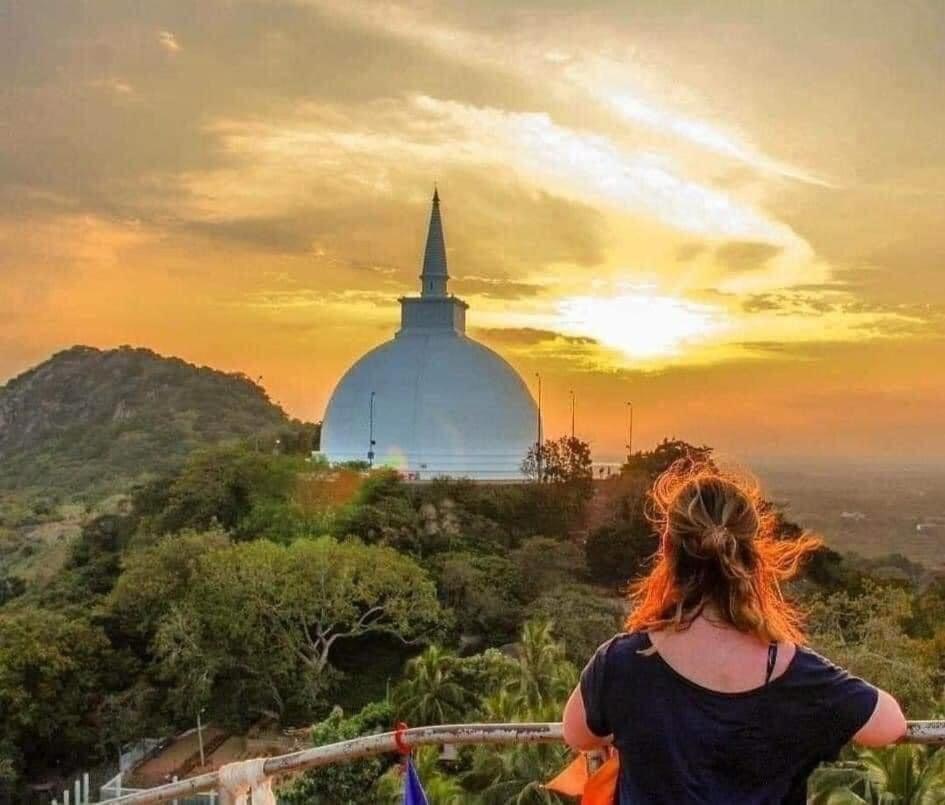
[
  {"x": 835, "y": 702},
  {"x": 807, "y": 660},
  {"x": 613, "y": 660},
  {"x": 810, "y": 670},
  {"x": 623, "y": 648}
]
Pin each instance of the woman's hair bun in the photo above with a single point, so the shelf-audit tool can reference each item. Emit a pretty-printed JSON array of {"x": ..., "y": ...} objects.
[
  {"x": 720, "y": 539},
  {"x": 708, "y": 515}
]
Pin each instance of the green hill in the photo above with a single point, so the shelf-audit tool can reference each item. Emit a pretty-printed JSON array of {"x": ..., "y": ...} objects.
[{"x": 88, "y": 423}]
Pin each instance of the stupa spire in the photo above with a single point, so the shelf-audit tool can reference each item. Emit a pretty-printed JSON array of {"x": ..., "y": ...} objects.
[{"x": 434, "y": 276}]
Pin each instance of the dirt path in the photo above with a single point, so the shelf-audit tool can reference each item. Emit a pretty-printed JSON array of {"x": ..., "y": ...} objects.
[{"x": 181, "y": 757}]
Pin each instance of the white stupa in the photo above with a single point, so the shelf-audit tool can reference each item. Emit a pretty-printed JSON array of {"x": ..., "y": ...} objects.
[{"x": 431, "y": 401}]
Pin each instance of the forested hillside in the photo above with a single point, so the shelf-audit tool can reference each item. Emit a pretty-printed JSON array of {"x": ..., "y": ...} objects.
[
  {"x": 89, "y": 422},
  {"x": 81, "y": 429}
]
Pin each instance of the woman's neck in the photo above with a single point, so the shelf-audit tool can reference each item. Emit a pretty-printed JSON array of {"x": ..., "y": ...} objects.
[
  {"x": 708, "y": 624},
  {"x": 710, "y": 615}
]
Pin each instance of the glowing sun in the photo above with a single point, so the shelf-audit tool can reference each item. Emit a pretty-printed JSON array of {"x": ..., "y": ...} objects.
[{"x": 641, "y": 324}]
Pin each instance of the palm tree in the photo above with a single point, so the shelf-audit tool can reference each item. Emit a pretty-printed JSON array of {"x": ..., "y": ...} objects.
[
  {"x": 502, "y": 707},
  {"x": 514, "y": 776},
  {"x": 545, "y": 676},
  {"x": 900, "y": 775},
  {"x": 907, "y": 772},
  {"x": 427, "y": 695},
  {"x": 542, "y": 680},
  {"x": 844, "y": 783}
]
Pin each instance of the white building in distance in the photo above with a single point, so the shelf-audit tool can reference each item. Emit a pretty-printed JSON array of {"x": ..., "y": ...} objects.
[{"x": 432, "y": 402}]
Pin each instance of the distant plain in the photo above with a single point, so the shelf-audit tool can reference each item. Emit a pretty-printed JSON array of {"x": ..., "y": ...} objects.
[{"x": 871, "y": 510}]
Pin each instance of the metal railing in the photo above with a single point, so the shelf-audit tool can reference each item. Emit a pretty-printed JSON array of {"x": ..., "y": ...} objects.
[{"x": 919, "y": 732}]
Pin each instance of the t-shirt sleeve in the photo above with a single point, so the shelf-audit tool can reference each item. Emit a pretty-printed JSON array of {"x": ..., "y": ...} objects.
[
  {"x": 594, "y": 692},
  {"x": 847, "y": 703}
]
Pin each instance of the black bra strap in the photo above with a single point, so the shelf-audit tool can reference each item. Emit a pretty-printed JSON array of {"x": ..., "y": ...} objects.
[{"x": 772, "y": 660}]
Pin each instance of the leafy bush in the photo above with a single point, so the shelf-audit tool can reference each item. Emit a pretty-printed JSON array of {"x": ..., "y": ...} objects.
[
  {"x": 904, "y": 775},
  {"x": 218, "y": 486},
  {"x": 344, "y": 782},
  {"x": 94, "y": 563},
  {"x": 583, "y": 618},
  {"x": 545, "y": 564},
  {"x": 617, "y": 553},
  {"x": 485, "y": 593},
  {"x": 54, "y": 674}
]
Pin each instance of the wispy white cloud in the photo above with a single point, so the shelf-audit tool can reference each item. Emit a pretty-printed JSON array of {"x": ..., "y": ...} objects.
[
  {"x": 700, "y": 133},
  {"x": 605, "y": 80},
  {"x": 431, "y": 133},
  {"x": 594, "y": 168}
]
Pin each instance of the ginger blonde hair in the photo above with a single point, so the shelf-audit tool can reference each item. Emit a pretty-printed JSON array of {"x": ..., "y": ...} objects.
[{"x": 718, "y": 547}]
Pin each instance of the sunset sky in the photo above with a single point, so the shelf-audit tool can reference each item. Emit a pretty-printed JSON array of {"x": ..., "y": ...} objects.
[{"x": 730, "y": 213}]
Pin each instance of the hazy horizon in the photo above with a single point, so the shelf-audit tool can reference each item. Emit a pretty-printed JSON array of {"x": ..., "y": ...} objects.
[{"x": 730, "y": 215}]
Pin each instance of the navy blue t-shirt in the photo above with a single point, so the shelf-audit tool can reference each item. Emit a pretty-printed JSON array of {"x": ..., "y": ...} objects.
[{"x": 682, "y": 744}]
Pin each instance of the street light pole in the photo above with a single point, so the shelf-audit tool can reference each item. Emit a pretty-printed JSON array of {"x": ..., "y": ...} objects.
[
  {"x": 370, "y": 452},
  {"x": 538, "y": 442},
  {"x": 256, "y": 439},
  {"x": 203, "y": 761},
  {"x": 629, "y": 444},
  {"x": 572, "y": 413}
]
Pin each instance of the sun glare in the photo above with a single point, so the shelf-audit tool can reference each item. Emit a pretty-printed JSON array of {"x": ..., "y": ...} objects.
[{"x": 640, "y": 324}]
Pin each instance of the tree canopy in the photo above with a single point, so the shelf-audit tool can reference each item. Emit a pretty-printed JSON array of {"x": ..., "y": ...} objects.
[
  {"x": 274, "y": 614},
  {"x": 54, "y": 675},
  {"x": 566, "y": 460}
]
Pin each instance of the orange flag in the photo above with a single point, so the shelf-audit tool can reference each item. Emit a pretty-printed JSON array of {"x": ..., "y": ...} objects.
[
  {"x": 600, "y": 788},
  {"x": 571, "y": 780}
]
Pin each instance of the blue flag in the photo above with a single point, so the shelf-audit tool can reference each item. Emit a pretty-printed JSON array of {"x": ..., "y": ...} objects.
[{"x": 413, "y": 791}]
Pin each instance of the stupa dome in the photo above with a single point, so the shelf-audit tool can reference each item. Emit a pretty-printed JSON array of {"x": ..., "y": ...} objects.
[{"x": 438, "y": 402}]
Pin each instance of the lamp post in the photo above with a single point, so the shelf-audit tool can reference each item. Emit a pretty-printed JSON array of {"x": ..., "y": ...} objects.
[
  {"x": 629, "y": 444},
  {"x": 538, "y": 442},
  {"x": 203, "y": 760},
  {"x": 572, "y": 414},
  {"x": 370, "y": 452},
  {"x": 256, "y": 436}
]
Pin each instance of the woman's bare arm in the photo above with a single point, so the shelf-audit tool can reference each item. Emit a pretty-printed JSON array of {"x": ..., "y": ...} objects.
[
  {"x": 576, "y": 732},
  {"x": 887, "y": 724}
]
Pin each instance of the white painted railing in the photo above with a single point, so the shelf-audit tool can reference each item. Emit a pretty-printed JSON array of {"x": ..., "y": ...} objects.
[{"x": 920, "y": 732}]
